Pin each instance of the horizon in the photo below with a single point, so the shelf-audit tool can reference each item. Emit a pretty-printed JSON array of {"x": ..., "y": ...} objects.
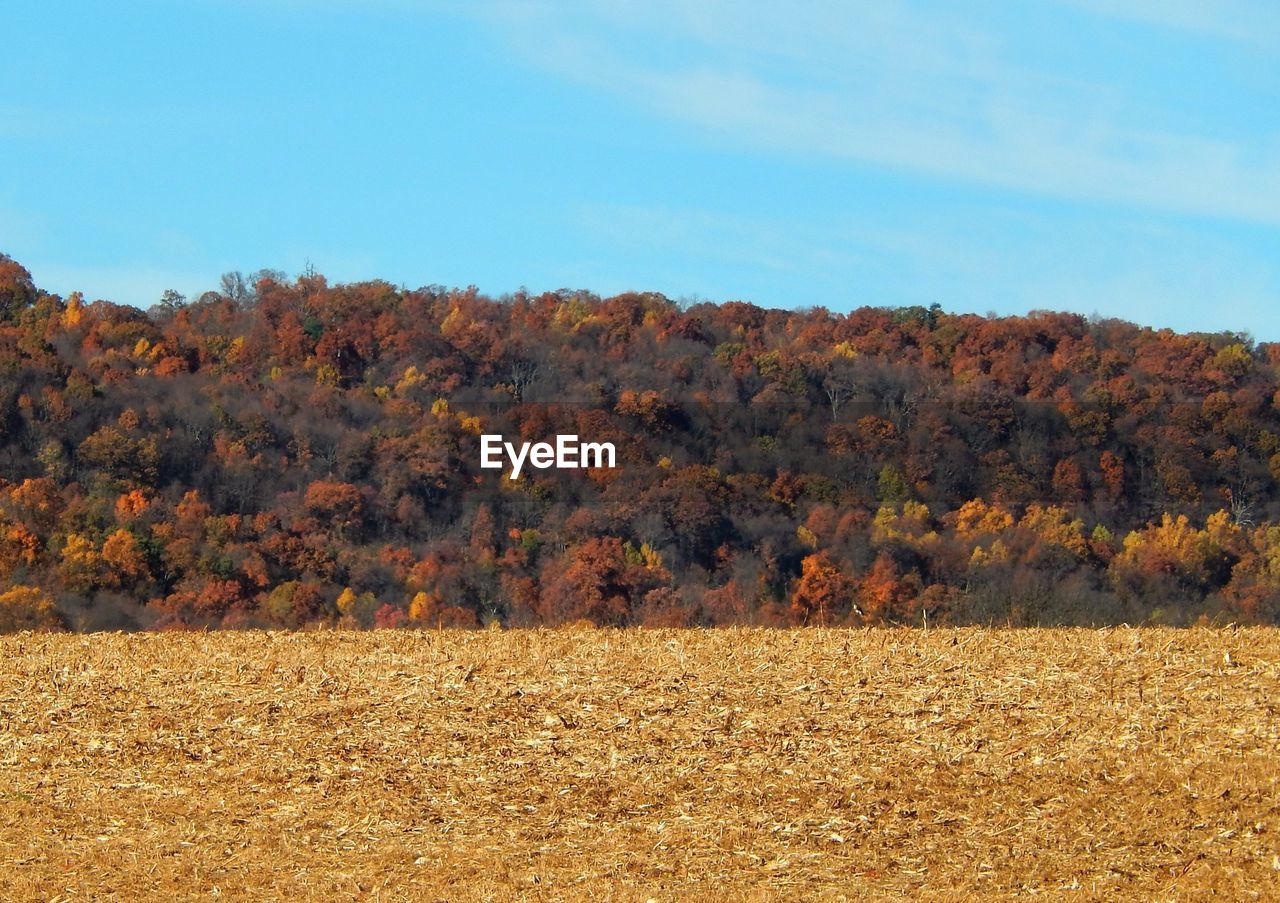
[
  {"x": 684, "y": 303},
  {"x": 1099, "y": 157}
]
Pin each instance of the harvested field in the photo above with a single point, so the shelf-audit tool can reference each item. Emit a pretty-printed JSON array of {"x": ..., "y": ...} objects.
[{"x": 628, "y": 765}]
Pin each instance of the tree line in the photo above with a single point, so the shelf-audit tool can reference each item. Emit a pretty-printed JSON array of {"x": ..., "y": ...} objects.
[{"x": 286, "y": 452}]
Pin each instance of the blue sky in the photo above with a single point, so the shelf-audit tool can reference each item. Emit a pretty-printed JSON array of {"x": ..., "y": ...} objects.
[{"x": 1112, "y": 156}]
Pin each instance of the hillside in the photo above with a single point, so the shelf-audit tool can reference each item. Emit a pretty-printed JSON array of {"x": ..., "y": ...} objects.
[{"x": 286, "y": 451}]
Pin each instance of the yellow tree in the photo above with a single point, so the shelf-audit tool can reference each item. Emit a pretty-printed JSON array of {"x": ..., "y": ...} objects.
[
  {"x": 28, "y": 608},
  {"x": 81, "y": 565}
]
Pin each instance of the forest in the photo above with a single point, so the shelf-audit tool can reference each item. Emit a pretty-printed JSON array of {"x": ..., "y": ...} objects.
[{"x": 287, "y": 452}]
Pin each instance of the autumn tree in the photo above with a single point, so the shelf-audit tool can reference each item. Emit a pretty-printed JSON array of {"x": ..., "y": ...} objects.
[
  {"x": 885, "y": 593},
  {"x": 17, "y": 291},
  {"x": 822, "y": 594},
  {"x": 27, "y": 608}
]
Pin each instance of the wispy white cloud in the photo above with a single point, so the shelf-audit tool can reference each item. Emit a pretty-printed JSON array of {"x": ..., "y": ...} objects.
[
  {"x": 1244, "y": 21},
  {"x": 890, "y": 84},
  {"x": 664, "y": 237}
]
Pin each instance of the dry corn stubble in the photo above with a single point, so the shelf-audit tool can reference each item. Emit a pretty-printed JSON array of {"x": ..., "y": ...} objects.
[{"x": 629, "y": 765}]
